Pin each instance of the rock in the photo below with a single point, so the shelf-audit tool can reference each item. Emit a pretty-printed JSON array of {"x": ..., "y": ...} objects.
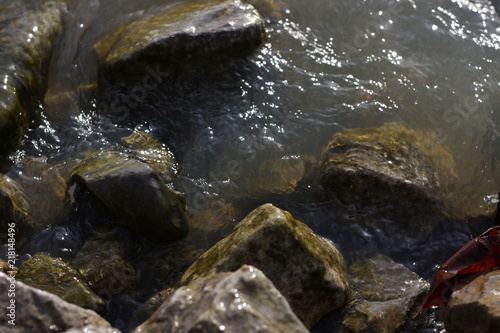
[
  {"x": 385, "y": 294},
  {"x": 14, "y": 213},
  {"x": 28, "y": 32},
  {"x": 133, "y": 192},
  {"x": 302, "y": 266},
  {"x": 149, "y": 150},
  {"x": 58, "y": 277},
  {"x": 42, "y": 312},
  {"x": 475, "y": 307},
  {"x": 242, "y": 301},
  {"x": 93, "y": 329},
  {"x": 389, "y": 161},
  {"x": 183, "y": 30},
  {"x": 104, "y": 264}
]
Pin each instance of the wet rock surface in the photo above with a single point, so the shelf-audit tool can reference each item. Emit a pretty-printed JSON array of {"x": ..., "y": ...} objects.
[
  {"x": 59, "y": 278},
  {"x": 28, "y": 32},
  {"x": 302, "y": 266},
  {"x": 384, "y": 296},
  {"x": 182, "y": 30},
  {"x": 40, "y": 311},
  {"x": 475, "y": 307},
  {"x": 242, "y": 301},
  {"x": 133, "y": 192}
]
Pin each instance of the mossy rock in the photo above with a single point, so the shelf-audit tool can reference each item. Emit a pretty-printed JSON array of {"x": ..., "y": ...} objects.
[
  {"x": 135, "y": 194},
  {"x": 308, "y": 270},
  {"x": 56, "y": 276}
]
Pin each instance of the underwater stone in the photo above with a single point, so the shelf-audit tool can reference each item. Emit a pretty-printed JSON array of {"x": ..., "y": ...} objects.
[
  {"x": 42, "y": 312},
  {"x": 180, "y": 31},
  {"x": 308, "y": 270},
  {"x": 135, "y": 194},
  {"x": 242, "y": 301},
  {"x": 475, "y": 307},
  {"x": 28, "y": 32},
  {"x": 384, "y": 296},
  {"x": 56, "y": 276}
]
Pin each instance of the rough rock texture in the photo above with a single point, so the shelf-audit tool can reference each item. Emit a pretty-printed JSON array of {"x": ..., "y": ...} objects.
[
  {"x": 104, "y": 264},
  {"x": 93, "y": 329},
  {"x": 14, "y": 208},
  {"x": 28, "y": 31},
  {"x": 42, "y": 312},
  {"x": 475, "y": 307},
  {"x": 302, "y": 266},
  {"x": 57, "y": 277},
  {"x": 385, "y": 163},
  {"x": 135, "y": 194},
  {"x": 384, "y": 296},
  {"x": 193, "y": 27},
  {"x": 242, "y": 301},
  {"x": 151, "y": 151}
]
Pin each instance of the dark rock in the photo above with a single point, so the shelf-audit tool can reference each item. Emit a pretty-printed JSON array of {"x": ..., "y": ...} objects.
[
  {"x": 242, "y": 301},
  {"x": 104, "y": 264},
  {"x": 303, "y": 267},
  {"x": 475, "y": 307},
  {"x": 14, "y": 213},
  {"x": 28, "y": 32},
  {"x": 133, "y": 192},
  {"x": 384, "y": 296},
  {"x": 180, "y": 31},
  {"x": 42, "y": 312},
  {"x": 58, "y": 277}
]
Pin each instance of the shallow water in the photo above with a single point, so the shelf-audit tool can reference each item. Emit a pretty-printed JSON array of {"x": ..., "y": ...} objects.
[{"x": 326, "y": 66}]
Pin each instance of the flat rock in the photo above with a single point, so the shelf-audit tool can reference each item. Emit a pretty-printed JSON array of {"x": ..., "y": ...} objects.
[
  {"x": 202, "y": 27},
  {"x": 28, "y": 32},
  {"x": 308, "y": 270},
  {"x": 475, "y": 307},
  {"x": 242, "y": 301},
  {"x": 56, "y": 276},
  {"x": 384, "y": 295},
  {"x": 133, "y": 192},
  {"x": 42, "y": 312}
]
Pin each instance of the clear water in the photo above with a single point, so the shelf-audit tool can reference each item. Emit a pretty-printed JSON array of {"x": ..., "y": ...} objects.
[{"x": 326, "y": 66}]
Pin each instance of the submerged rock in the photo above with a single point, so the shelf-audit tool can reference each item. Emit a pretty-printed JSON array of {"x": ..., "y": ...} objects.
[
  {"x": 14, "y": 213},
  {"x": 58, "y": 277},
  {"x": 133, "y": 192},
  {"x": 242, "y": 301},
  {"x": 308, "y": 270},
  {"x": 384, "y": 296},
  {"x": 42, "y": 312},
  {"x": 104, "y": 264},
  {"x": 28, "y": 32},
  {"x": 475, "y": 307},
  {"x": 201, "y": 27}
]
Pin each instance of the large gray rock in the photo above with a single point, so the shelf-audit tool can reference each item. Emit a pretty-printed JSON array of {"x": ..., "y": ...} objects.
[
  {"x": 308, "y": 270},
  {"x": 28, "y": 31},
  {"x": 56, "y": 276},
  {"x": 475, "y": 307},
  {"x": 135, "y": 194},
  {"x": 242, "y": 301},
  {"x": 34, "y": 310},
  {"x": 385, "y": 294},
  {"x": 193, "y": 27}
]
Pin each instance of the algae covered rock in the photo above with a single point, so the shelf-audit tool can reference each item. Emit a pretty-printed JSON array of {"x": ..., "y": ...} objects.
[
  {"x": 14, "y": 213},
  {"x": 194, "y": 27},
  {"x": 58, "y": 277},
  {"x": 308, "y": 270},
  {"x": 135, "y": 194},
  {"x": 42, "y": 312},
  {"x": 475, "y": 307},
  {"x": 242, "y": 301},
  {"x": 104, "y": 264},
  {"x": 28, "y": 32},
  {"x": 384, "y": 295}
]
